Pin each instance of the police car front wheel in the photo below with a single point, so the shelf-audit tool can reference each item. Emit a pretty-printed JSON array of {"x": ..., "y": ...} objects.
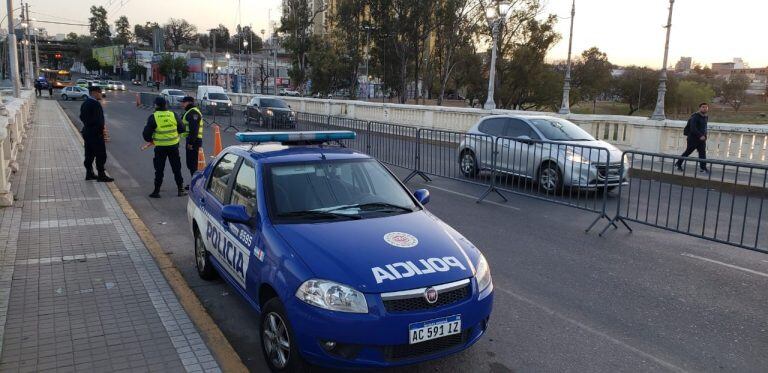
[
  {"x": 202, "y": 260},
  {"x": 277, "y": 341}
]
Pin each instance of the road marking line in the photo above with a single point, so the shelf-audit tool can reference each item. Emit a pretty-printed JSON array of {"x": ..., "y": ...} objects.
[
  {"x": 726, "y": 265},
  {"x": 473, "y": 197},
  {"x": 592, "y": 330},
  {"x": 216, "y": 341}
]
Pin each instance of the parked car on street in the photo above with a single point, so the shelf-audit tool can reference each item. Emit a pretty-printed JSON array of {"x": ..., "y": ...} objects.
[
  {"x": 173, "y": 96},
  {"x": 74, "y": 93},
  {"x": 269, "y": 112},
  {"x": 83, "y": 83},
  {"x": 288, "y": 92},
  {"x": 553, "y": 152}
]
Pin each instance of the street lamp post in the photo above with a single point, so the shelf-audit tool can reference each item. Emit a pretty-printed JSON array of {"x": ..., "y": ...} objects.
[
  {"x": 496, "y": 15},
  {"x": 658, "y": 113},
  {"x": 13, "y": 53},
  {"x": 247, "y": 62},
  {"x": 229, "y": 69},
  {"x": 565, "y": 108}
]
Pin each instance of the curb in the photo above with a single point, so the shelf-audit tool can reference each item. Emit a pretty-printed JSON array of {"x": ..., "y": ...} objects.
[{"x": 225, "y": 354}]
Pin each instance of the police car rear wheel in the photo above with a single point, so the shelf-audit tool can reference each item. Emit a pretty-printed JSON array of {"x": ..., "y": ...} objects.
[
  {"x": 204, "y": 268},
  {"x": 280, "y": 353}
]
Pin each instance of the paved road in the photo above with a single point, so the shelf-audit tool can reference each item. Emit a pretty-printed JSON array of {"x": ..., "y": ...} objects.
[{"x": 565, "y": 300}]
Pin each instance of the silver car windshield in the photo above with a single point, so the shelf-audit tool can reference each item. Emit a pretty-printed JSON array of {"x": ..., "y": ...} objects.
[
  {"x": 560, "y": 130},
  {"x": 336, "y": 189},
  {"x": 176, "y": 93}
]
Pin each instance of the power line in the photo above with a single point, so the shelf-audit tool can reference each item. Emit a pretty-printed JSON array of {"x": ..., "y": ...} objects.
[
  {"x": 62, "y": 23},
  {"x": 55, "y": 17}
]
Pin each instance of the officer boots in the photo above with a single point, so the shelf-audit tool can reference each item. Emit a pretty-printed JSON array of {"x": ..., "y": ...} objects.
[
  {"x": 156, "y": 192},
  {"x": 182, "y": 192}
]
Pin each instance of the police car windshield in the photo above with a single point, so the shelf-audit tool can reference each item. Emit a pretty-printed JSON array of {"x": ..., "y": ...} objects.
[{"x": 330, "y": 190}]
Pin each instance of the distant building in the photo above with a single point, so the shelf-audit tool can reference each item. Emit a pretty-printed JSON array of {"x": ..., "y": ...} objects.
[
  {"x": 684, "y": 64},
  {"x": 59, "y": 37}
]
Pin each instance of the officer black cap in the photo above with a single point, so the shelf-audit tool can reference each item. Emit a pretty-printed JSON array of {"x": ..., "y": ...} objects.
[
  {"x": 160, "y": 102},
  {"x": 94, "y": 88},
  {"x": 188, "y": 99}
]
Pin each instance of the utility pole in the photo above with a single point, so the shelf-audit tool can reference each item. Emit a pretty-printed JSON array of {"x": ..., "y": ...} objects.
[
  {"x": 25, "y": 48},
  {"x": 658, "y": 113},
  {"x": 565, "y": 108},
  {"x": 30, "y": 69},
  {"x": 215, "y": 70},
  {"x": 37, "y": 55},
  {"x": 13, "y": 54}
]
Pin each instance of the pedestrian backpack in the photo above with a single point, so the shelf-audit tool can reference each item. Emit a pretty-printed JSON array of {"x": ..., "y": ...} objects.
[{"x": 687, "y": 129}]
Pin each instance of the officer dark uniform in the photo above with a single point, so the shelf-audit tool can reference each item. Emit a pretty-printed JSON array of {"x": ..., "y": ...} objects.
[
  {"x": 163, "y": 129},
  {"x": 193, "y": 132},
  {"x": 92, "y": 116}
]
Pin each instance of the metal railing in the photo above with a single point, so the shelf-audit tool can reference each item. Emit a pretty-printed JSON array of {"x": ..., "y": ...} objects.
[{"x": 725, "y": 204}]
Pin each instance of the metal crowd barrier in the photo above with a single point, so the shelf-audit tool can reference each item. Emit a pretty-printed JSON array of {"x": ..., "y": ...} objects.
[{"x": 725, "y": 205}]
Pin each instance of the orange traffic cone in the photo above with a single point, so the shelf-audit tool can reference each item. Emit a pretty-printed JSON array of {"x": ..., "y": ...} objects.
[
  {"x": 200, "y": 159},
  {"x": 216, "y": 140}
]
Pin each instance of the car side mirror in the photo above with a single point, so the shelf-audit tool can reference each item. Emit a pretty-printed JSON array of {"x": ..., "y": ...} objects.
[
  {"x": 525, "y": 139},
  {"x": 422, "y": 195},
  {"x": 235, "y": 214}
]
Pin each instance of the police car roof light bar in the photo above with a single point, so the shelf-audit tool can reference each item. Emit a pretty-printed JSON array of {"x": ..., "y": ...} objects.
[{"x": 295, "y": 137}]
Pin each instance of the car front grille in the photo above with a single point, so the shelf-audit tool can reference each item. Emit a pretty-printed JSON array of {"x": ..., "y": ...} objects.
[
  {"x": 416, "y": 301},
  {"x": 613, "y": 171},
  {"x": 408, "y": 351}
]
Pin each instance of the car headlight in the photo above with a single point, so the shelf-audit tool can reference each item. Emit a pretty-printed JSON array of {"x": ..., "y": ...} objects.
[
  {"x": 575, "y": 157},
  {"x": 483, "y": 275},
  {"x": 213, "y": 103},
  {"x": 268, "y": 113},
  {"x": 229, "y": 104},
  {"x": 293, "y": 113},
  {"x": 332, "y": 296}
]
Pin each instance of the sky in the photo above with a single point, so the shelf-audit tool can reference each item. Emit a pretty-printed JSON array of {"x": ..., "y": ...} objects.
[{"x": 629, "y": 31}]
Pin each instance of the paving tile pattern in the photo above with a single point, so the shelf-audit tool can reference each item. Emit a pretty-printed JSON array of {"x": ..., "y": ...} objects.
[{"x": 79, "y": 292}]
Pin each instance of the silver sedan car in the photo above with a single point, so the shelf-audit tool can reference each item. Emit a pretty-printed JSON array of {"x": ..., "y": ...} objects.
[{"x": 553, "y": 152}]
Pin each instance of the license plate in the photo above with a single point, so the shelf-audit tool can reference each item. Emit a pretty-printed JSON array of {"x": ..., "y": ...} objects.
[{"x": 436, "y": 328}]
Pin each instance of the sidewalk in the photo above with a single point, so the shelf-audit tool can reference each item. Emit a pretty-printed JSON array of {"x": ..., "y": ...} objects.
[{"x": 78, "y": 289}]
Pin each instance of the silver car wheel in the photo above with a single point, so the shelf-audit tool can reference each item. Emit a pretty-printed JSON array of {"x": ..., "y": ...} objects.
[
  {"x": 468, "y": 164},
  {"x": 276, "y": 340},
  {"x": 549, "y": 178}
]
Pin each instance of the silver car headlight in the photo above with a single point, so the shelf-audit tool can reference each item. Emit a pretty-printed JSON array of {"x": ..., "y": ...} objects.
[
  {"x": 269, "y": 112},
  {"x": 575, "y": 157},
  {"x": 213, "y": 103},
  {"x": 332, "y": 296},
  {"x": 483, "y": 275}
]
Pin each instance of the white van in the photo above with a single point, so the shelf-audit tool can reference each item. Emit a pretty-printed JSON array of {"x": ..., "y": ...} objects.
[{"x": 212, "y": 99}]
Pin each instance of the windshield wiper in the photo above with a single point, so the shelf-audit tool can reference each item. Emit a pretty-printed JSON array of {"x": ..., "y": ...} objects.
[
  {"x": 373, "y": 206},
  {"x": 315, "y": 214}
]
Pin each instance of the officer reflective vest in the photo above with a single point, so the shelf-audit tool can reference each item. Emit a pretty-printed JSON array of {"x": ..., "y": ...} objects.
[
  {"x": 186, "y": 123},
  {"x": 166, "y": 132}
]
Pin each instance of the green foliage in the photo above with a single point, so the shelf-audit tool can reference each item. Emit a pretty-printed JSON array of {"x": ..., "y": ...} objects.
[
  {"x": 636, "y": 87},
  {"x": 592, "y": 75},
  {"x": 296, "y": 24},
  {"x": 123, "y": 34},
  {"x": 179, "y": 32},
  {"x": 99, "y": 27},
  {"x": 144, "y": 33},
  {"x": 221, "y": 36},
  {"x": 735, "y": 91},
  {"x": 689, "y": 94},
  {"x": 136, "y": 69},
  {"x": 92, "y": 64},
  {"x": 173, "y": 68}
]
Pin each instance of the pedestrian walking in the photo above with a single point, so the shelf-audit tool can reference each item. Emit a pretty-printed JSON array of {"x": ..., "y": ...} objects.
[
  {"x": 92, "y": 116},
  {"x": 193, "y": 133},
  {"x": 696, "y": 130},
  {"x": 157, "y": 85},
  {"x": 163, "y": 129},
  {"x": 38, "y": 88},
  {"x": 50, "y": 90}
]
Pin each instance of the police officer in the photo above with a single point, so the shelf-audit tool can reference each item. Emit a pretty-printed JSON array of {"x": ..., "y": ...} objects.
[
  {"x": 92, "y": 116},
  {"x": 163, "y": 129},
  {"x": 193, "y": 132}
]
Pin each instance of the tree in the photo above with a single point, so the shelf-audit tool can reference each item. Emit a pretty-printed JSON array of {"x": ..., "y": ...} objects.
[
  {"x": 689, "y": 94},
  {"x": 92, "y": 64},
  {"x": 123, "y": 34},
  {"x": 735, "y": 91},
  {"x": 136, "y": 69},
  {"x": 326, "y": 66},
  {"x": 246, "y": 34},
  {"x": 468, "y": 74},
  {"x": 145, "y": 34},
  {"x": 454, "y": 30},
  {"x": 221, "y": 34},
  {"x": 98, "y": 26},
  {"x": 348, "y": 38},
  {"x": 592, "y": 75},
  {"x": 204, "y": 41},
  {"x": 173, "y": 69},
  {"x": 263, "y": 74},
  {"x": 179, "y": 32},
  {"x": 72, "y": 36},
  {"x": 296, "y": 23},
  {"x": 636, "y": 87}
]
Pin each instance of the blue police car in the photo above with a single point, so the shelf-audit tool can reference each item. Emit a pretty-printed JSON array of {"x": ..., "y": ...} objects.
[{"x": 343, "y": 264}]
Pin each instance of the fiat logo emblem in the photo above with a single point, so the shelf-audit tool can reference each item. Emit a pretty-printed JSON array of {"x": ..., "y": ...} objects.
[{"x": 430, "y": 295}]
